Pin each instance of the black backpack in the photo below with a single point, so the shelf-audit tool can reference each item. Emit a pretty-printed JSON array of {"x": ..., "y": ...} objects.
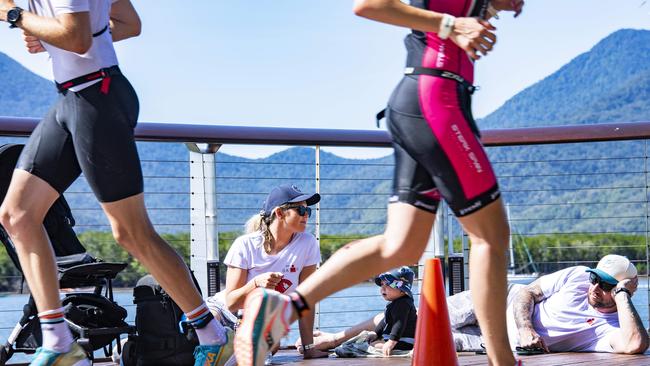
[{"x": 159, "y": 340}]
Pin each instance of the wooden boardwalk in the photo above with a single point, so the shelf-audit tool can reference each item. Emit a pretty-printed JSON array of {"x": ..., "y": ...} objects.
[{"x": 292, "y": 358}]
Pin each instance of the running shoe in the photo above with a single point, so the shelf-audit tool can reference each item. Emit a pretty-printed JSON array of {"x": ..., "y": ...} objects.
[
  {"x": 75, "y": 357},
  {"x": 215, "y": 355},
  {"x": 262, "y": 327}
]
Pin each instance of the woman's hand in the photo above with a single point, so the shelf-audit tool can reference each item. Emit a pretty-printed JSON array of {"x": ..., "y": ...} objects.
[
  {"x": 508, "y": 5},
  {"x": 322, "y": 341},
  {"x": 268, "y": 280},
  {"x": 387, "y": 349},
  {"x": 314, "y": 353},
  {"x": 32, "y": 43},
  {"x": 474, "y": 36}
]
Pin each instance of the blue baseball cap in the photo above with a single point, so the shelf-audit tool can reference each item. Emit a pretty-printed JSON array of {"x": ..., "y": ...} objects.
[
  {"x": 400, "y": 278},
  {"x": 287, "y": 193}
]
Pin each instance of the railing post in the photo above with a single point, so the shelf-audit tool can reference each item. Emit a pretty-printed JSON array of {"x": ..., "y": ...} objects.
[
  {"x": 317, "y": 231},
  {"x": 204, "y": 238},
  {"x": 465, "y": 246},
  {"x": 456, "y": 269},
  {"x": 647, "y": 224},
  {"x": 436, "y": 245}
]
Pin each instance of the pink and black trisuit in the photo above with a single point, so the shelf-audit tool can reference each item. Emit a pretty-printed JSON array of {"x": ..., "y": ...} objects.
[{"x": 437, "y": 149}]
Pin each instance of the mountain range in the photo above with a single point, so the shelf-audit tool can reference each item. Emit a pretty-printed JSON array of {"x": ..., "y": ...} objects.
[
  {"x": 609, "y": 83},
  {"x": 544, "y": 185}
]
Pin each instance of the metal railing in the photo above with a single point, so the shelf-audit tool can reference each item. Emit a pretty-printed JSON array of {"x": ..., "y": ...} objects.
[{"x": 552, "y": 213}]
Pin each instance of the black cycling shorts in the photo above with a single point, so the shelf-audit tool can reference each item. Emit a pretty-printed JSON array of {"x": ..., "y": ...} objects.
[
  {"x": 440, "y": 156},
  {"x": 90, "y": 132}
]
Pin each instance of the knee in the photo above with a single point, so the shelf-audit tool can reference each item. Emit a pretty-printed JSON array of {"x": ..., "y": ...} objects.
[
  {"x": 398, "y": 253},
  {"x": 133, "y": 239},
  {"x": 123, "y": 237},
  {"x": 496, "y": 236},
  {"x": 5, "y": 217},
  {"x": 15, "y": 220}
]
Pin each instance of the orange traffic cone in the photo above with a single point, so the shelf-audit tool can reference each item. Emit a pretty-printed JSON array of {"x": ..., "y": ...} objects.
[{"x": 434, "y": 345}]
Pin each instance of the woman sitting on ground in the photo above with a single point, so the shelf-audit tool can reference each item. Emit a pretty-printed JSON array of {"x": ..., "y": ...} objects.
[{"x": 275, "y": 253}]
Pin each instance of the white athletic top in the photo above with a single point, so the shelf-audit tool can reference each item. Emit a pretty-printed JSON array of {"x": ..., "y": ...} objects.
[
  {"x": 247, "y": 252},
  {"x": 564, "y": 319},
  {"x": 69, "y": 65}
]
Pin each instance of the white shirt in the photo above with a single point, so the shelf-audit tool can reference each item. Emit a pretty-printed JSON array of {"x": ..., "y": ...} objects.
[
  {"x": 564, "y": 319},
  {"x": 247, "y": 252},
  {"x": 68, "y": 65}
]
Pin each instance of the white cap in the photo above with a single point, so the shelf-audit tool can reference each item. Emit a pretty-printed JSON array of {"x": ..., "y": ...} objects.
[{"x": 613, "y": 268}]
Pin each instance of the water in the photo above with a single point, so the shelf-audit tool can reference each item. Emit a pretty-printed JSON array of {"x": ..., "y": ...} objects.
[{"x": 339, "y": 311}]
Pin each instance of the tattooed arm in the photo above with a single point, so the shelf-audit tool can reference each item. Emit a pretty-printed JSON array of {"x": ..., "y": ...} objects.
[
  {"x": 523, "y": 308},
  {"x": 632, "y": 337}
]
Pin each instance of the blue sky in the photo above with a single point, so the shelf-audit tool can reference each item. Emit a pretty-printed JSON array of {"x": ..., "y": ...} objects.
[{"x": 314, "y": 64}]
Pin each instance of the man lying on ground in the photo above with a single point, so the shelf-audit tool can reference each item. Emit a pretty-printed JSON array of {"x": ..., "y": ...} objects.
[{"x": 577, "y": 309}]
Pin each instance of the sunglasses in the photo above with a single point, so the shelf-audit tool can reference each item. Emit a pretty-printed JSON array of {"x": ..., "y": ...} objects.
[
  {"x": 595, "y": 279},
  {"x": 302, "y": 210}
]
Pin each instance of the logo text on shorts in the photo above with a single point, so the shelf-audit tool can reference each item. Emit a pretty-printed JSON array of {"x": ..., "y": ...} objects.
[
  {"x": 471, "y": 208},
  {"x": 440, "y": 59},
  {"x": 470, "y": 154}
]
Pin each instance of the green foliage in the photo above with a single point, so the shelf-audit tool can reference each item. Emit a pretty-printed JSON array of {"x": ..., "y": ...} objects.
[
  {"x": 9, "y": 275},
  {"x": 553, "y": 252},
  {"x": 103, "y": 247},
  {"x": 549, "y": 253}
]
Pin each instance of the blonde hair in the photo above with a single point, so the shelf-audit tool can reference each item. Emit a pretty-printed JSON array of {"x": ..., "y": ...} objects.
[{"x": 260, "y": 222}]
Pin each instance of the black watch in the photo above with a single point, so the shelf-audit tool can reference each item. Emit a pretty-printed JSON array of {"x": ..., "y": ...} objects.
[
  {"x": 622, "y": 289},
  {"x": 14, "y": 15}
]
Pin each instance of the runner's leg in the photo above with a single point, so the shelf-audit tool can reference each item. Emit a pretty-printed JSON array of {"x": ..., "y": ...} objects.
[
  {"x": 407, "y": 233},
  {"x": 133, "y": 230},
  {"x": 46, "y": 167},
  {"x": 23, "y": 211},
  {"x": 103, "y": 137},
  {"x": 488, "y": 231}
]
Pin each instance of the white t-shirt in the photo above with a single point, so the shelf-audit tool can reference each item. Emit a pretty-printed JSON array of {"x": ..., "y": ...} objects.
[
  {"x": 564, "y": 319},
  {"x": 68, "y": 65},
  {"x": 247, "y": 252}
]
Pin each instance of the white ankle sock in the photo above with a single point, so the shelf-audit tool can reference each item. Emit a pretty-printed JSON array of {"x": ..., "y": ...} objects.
[
  {"x": 211, "y": 333},
  {"x": 56, "y": 334}
]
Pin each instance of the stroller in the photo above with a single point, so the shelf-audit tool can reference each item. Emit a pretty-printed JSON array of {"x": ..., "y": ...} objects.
[{"x": 93, "y": 317}]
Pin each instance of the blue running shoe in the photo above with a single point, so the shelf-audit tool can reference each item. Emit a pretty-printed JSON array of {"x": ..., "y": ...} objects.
[
  {"x": 216, "y": 355},
  {"x": 75, "y": 357}
]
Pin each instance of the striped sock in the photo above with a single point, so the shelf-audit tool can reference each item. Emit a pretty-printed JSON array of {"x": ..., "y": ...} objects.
[
  {"x": 209, "y": 331},
  {"x": 56, "y": 334}
]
